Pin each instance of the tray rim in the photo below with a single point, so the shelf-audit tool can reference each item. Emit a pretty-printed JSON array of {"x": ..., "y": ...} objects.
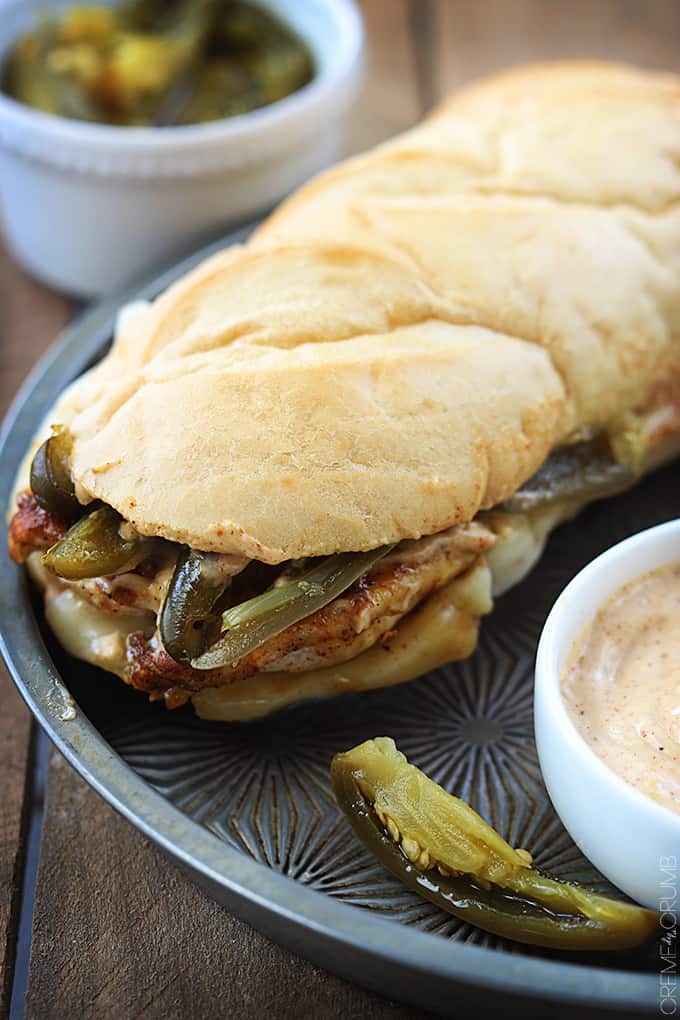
[{"x": 372, "y": 949}]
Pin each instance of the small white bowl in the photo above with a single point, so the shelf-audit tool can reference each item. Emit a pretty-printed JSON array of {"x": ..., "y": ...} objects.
[
  {"x": 87, "y": 207},
  {"x": 630, "y": 838}
]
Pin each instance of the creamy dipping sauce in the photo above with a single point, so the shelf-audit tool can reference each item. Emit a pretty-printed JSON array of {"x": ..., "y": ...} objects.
[{"x": 621, "y": 684}]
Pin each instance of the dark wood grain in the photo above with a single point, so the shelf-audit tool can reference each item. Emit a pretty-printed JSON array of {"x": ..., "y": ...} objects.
[
  {"x": 119, "y": 933},
  {"x": 29, "y": 318},
  {"x": 472, "y": 39},
  {"x": 15, "y": 739},
  {"x": 389, "y": 101}
]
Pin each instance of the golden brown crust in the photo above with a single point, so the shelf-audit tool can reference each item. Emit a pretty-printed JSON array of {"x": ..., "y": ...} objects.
[
  {"x": 406, "y": 339},
  {"x": 326, "y": 447}
]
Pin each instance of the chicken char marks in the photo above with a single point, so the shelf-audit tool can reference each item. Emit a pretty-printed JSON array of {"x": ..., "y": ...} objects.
[
  {"x": 32, "y": 528},
  {"x": 363, "y": 615}
]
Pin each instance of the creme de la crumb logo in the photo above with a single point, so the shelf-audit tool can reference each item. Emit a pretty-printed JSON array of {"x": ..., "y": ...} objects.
[{"x": 668, "y": 944}]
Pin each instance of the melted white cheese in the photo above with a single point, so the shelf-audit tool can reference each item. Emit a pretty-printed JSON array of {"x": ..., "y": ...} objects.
[
  {"x": 520, "y": 540},
  {"x": 442, "y": 629},
  {"x": 86, "y": 631},
  {"x": 91, "y": 634}
]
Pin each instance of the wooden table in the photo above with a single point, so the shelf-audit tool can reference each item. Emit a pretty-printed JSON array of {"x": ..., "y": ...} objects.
[{"x": 113, "y": 929}]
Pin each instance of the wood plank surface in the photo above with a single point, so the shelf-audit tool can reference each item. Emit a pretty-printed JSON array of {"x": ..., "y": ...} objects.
[
  {"x": 29, "y": 317},
  {"x": 118, "y": 932},
  {"x": 15, "y": 739},
  {"x": 389, "y": 101},
  {"x": 471, "y": 39}
]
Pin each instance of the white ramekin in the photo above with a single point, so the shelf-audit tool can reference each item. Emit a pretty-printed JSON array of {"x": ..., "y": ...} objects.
[
  {"x": 87, "y": 207},
  {"x": 630, "y": 838}
]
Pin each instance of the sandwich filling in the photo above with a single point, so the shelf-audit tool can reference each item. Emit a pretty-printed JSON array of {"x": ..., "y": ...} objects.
[{"x": 179, "y": 623}]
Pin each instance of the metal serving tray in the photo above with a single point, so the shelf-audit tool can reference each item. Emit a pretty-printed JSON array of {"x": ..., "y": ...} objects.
[{"x": 247, "y": 809}]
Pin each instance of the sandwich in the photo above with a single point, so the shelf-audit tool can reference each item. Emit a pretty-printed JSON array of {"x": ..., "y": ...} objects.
[{"x": 311, "y": 464}]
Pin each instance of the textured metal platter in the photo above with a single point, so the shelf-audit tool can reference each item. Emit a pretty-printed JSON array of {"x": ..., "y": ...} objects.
[{"x": 248, "y": 810}]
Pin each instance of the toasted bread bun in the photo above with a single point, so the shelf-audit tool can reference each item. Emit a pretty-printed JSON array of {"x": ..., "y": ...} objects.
[{"x": 404, "y": 342}]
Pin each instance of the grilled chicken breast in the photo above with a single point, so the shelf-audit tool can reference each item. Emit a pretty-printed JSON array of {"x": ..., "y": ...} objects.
[
  {"x": 363, "y": 615},
  {"x": 355, "y": 621}
]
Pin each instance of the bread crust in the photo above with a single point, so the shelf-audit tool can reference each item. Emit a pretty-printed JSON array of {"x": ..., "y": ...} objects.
[{"x": 406, "y": 339}]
